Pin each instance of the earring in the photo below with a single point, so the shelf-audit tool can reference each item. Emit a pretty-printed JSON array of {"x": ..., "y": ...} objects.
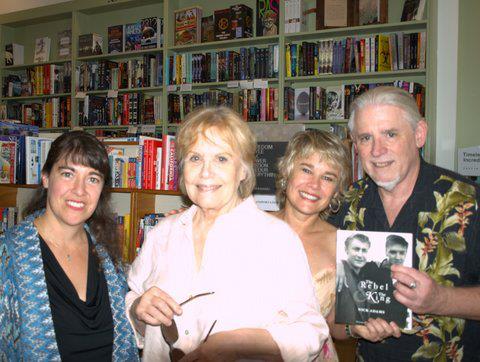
[
  {"x": 334, "y": 205},
  {"x": 283, "y": 184}
]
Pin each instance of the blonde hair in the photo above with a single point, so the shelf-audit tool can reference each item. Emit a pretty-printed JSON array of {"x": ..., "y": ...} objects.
[
  {"x": 227, "y": 125},
  {"x": 331, "y": 150}
]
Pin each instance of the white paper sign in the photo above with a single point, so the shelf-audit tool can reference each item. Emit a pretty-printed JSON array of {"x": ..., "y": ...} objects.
[
  {"x": 187, "y": 87},
  {"x": 148, "y": 128},
  {"x": 112, "y": 93},
  {"x": 245, "y": 84},
  {"x": 132, "y": 130},
  {"x": 266, "y": 202},
  {"x": 171, "y": 87},
  {"x": 232, "y": 84},
  {"x": 469, "y": 161},
  {"x": 260, "y": 84},
  {"x": 80, "y": 95}
]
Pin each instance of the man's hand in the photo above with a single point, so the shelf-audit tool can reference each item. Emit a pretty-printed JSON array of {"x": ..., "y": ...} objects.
[
  {"x": 417, "y": 290},
  {"x": 376, "y": 330}
]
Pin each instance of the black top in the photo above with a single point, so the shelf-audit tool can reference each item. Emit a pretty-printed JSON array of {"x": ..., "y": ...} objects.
[
  {"x": 443, "y": 215},
  {"x": 84, "y": 330}
]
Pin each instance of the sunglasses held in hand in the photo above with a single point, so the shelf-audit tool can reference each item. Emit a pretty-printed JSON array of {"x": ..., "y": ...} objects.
[{"x": 170, "y": 333}]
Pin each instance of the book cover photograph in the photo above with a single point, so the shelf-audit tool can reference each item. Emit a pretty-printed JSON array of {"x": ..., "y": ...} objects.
[
  {"x": 149, "y": 33},
  {"x": 335, "y": 104},
  {"x": 42, "y": 50},
  {"x": 364, "y": 283}
]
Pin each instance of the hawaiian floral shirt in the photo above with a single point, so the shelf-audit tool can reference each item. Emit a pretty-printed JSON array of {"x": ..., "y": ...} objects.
[{"x": 442, "y": 213}]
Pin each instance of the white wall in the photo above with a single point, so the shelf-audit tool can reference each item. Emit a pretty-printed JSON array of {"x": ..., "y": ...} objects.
[
  {"x": 9, "y": 6},
  {"x": 447, "y": 65}
]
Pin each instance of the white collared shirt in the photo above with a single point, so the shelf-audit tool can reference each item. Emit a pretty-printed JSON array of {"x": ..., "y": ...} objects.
[{"x": 255, "y": 264}]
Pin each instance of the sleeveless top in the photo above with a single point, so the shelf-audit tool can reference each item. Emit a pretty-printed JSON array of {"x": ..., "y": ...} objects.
[{"x": 324, "y": 282}]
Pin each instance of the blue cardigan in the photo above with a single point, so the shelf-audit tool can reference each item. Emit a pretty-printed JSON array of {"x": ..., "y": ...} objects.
[{"x": 27, "y": 332}]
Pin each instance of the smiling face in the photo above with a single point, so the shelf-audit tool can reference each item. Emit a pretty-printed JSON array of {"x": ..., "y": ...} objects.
[
  {"x": 73, "y": 192},
  {"x": 396, "y": 254},
  {"x": 357, "y": 253},
  {"x": 311, "y": 185},
  {"x": 388, "y": 146},
  {"x": 212, "y": 172}
]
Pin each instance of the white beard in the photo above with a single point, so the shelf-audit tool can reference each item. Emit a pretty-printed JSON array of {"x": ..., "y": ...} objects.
[{"x": 388, "y": 185}]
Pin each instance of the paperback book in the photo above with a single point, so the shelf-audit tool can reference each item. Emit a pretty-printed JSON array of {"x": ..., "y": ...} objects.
[
  {"x": 188, "y": 25},
  {"x": 364, "y": 284}
]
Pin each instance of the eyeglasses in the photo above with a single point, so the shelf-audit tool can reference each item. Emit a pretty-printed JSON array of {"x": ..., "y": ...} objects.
[{"x": 170, "y": 333}]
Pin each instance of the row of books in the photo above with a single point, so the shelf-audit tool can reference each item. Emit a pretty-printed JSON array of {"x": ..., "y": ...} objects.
[
  {"x": 333, "y": 102},
  {"x": 145, "y": 224},
  {"x": 134, "y": 73},
  {"x": 252, "y": 104},
  {"x": 150, "y": 164},
  {"x": 47, "y": 113},
  {"x": 144, "y": 34},
  {"x": 179, "y": 105},
  {"x": 379, "y": 53},
  {"x": 36, "y": 152},
  {"x": 225, "y": 65},
  {"x": 39, "y": 80},
  {"x": 123, "y": 232},
  {"x": 125, "y": 109},
  {"x": 8, "y": 218},
  {"x": 12, "y": 136}
]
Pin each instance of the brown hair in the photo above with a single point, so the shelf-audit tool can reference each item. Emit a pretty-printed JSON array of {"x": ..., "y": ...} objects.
[{"x": 82, "y": 148}]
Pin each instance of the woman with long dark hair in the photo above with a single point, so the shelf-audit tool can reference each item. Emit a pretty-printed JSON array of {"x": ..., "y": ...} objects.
[{"x": 62, "y": 289}]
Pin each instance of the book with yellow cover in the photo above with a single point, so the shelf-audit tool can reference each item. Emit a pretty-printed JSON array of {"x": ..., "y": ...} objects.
[{"x": 384, "y": 53}]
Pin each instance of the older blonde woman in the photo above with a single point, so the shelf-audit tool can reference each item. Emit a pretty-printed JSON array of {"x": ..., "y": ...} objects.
[{"x": 222, "y": 268}]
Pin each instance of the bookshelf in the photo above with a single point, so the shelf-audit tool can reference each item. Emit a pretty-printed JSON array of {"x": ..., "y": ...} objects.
[{"x": 95, "y": 16}]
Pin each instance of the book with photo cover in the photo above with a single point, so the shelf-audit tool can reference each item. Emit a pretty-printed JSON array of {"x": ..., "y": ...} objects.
[
  {"x": 133, "y": 36},
  {"x": 268, "y": 14},
  {"x": 42, "y": 50},
  {"x": 364, "y": 283}
]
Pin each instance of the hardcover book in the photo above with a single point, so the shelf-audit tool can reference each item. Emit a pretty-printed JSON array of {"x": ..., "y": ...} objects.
[
  {"x": 267, "y": 17},
  {"x": 364, "y": 284},
  {"x": 241, "y": 21},
  {"x": 14, "y": 54},
  {"x": 7, "y": 162},
  {"x": 188, "y": 25},
  {"x": 208, "y": 29},
  {"x": 65, "y": 43},
  {"x": 150, "y": 33},
  {"x": 335, "y": 102},
  {"x": 42, "y": 50},
  {"x": 413, "y": 10},
  {"x": 115, "y": 39},
  {"x": 133, "y": 36},
  {"x": 222, "y": 24},
  {"x": 302, "y": 104},
  {"x": 336, "y": 13},
  {"x": 372, "y": 11},
  {"x": 89, "y": 44}
]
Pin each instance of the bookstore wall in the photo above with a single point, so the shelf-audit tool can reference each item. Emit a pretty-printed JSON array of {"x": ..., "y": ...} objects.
[{"x": 130, "y": 71}]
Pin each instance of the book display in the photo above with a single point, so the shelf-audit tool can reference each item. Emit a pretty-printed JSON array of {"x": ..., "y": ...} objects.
[
  {"x": 364, "y": 278},
  {"x": 122, "y": 68}
]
